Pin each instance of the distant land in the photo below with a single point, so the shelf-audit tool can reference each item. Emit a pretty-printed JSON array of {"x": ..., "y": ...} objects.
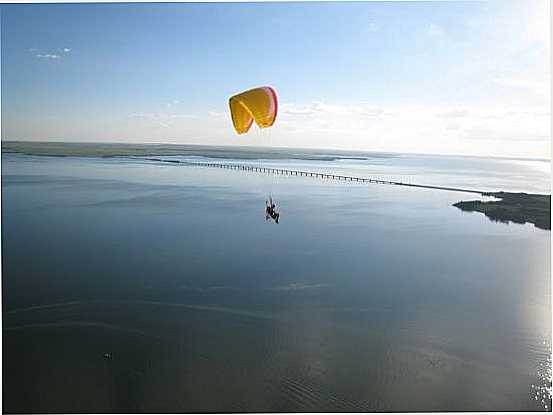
[
  {"x": 513, "y": 207},
  {"x": 97, "y": 149},
  {"x": 65, "y": 149}
]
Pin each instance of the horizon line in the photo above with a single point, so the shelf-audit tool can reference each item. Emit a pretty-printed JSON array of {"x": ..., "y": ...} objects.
[{"x": 543, "y": 159}]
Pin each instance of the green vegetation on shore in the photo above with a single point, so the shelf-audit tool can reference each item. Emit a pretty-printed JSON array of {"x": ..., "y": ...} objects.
[
  {"x": 513, "y": 207},
  {"x": 64, "y": 149}
]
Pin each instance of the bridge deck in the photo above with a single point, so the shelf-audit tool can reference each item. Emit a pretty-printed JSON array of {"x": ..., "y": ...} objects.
[{"x": 330, "y": 176}]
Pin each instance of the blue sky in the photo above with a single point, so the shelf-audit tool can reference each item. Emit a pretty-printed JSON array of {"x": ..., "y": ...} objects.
[{"x": 436, "y": 77}]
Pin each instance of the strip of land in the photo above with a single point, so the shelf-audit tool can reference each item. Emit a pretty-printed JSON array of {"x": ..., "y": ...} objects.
[
  {"x": 64, "y": 149},
  {"x": 513, "y": 207}
]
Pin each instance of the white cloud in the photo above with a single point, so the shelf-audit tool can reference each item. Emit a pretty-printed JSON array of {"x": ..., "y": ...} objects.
[
  {"x": 321, "y": 108},
  {"x": 453, "y": 113},
  {"x": 435, "y": 30},
  {"x": 373, "y": 27},
  {"x": 163, "y": 119},
  {"x": 522, "y": 83},
  {"x": 492, "y": 130},
  {"x": 171, "y": 103},
  {"x": 48, "y": 56},
  {"x": 161, "y": 115},
  {"x": 218, "y": 114}
]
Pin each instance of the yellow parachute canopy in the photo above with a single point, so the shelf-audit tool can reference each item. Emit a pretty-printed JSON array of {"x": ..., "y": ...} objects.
[{"x": 258, "y": 104}]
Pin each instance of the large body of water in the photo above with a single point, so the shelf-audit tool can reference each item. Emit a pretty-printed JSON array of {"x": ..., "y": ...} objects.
[{"x": 363, "y": 297}]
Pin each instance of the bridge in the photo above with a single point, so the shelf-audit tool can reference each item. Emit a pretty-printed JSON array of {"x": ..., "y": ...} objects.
[{"x": 301, "y": 173}]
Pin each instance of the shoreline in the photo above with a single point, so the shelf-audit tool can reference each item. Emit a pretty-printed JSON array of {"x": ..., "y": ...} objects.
[
  {"x": 518, "y": 208},
  {"x": 246, "y": 152},
  {"x": 65, "y": 149}
]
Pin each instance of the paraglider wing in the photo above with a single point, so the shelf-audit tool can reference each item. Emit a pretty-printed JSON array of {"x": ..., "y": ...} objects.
[{"x": 258, "y": 104}]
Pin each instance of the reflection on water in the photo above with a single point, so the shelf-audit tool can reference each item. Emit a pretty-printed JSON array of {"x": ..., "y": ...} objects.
[
  {"x": 362, "y": 298},
  {"x": 544, "y": 389}
]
